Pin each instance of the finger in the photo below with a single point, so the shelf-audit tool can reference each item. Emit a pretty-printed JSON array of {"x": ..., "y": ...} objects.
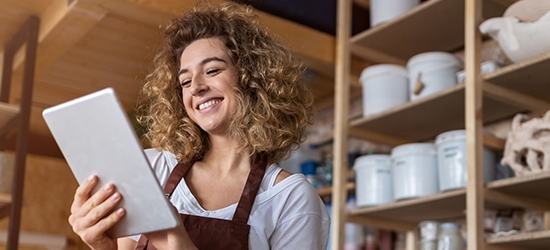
[
  {"x": 95, "y": 235},
  {"x": 82, "y": 193},
  {"x": 107, "y": 222},
  {"x": 97, "y": 213},
  {"x": 98, "y": 198}
]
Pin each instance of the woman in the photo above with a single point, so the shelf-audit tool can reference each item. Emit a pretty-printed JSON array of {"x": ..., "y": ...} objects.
[{"x": 223, "y": 104}]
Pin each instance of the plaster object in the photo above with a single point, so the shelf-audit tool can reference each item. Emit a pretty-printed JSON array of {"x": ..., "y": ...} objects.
[
  {"x": 527, "y": 149},
  {"x": 519, "y": 40}
]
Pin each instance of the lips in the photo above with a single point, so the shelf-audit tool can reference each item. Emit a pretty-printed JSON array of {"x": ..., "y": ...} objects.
[{"x": 208, "y": 104}]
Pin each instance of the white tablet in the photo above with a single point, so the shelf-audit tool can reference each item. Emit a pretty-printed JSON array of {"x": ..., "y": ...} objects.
[{"x": 95, "y": 137}]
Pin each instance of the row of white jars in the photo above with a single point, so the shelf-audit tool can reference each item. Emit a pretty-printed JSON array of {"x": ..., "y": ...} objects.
[
  {"x": 416, "y": 169},
  {"x": 387, "y": 85}
]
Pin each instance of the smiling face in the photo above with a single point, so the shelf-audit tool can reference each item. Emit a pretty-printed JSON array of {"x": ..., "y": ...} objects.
[{"x": 208, "y": 78}]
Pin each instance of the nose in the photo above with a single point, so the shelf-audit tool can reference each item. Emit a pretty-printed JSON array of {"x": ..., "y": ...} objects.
[{"x": 198, "y": 86}]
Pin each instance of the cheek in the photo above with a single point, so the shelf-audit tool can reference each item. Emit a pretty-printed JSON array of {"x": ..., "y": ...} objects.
[{"x": 187, "y": 105}]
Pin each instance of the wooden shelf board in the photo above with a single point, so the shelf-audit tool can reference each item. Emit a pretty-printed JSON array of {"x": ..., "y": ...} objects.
[
  {"x": 450, "y": 204},
  {"x": 425, "y": 118},
  {"x": 535, "y": 186},
  {"x": 530, "y": 240},
  {"x": 326, "y": 191},
  {"x": 421, "y": 30},
  {"x": 492, "y": 142},
  {"x": 5, "y": 205},
  {"x": 8, "y": 117},
  {"x": 5, "y": 209},
  {"x": 529, "y": 77},
  {"x": 5, "y": 198}
]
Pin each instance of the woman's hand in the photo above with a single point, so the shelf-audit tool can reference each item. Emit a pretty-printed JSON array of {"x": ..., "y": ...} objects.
[
  {"x": 90, "y": 216},
  {"x": 175, "y": 238}
]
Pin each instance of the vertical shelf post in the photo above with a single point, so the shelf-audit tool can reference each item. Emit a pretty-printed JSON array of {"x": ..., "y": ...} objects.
[
  {"x": 341, "y": 110},
  {"x": 474, "y": 125},
  {"x": 28, "y": 34}
]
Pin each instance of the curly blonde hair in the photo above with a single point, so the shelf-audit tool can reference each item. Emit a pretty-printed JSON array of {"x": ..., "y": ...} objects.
[{"x": 274, "y": 105}]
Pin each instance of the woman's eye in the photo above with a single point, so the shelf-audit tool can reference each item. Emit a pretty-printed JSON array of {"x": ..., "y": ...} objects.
[
  {"x": 212, "y": 71},
  {"x": 185, "y": 83}
]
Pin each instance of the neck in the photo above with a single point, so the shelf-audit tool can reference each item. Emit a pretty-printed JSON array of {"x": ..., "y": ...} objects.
[{"x": 223, "y": 158}]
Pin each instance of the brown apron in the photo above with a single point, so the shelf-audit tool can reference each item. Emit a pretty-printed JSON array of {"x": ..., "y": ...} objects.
[{"x": 212, "y": 233}]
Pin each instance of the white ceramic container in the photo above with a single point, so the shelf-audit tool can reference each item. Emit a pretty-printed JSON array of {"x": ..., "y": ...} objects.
[
  {"x": 431, "y": 72},
  {"x": 429, "y": 230},
  {"x": 385, "y": 10},
  {"x": 384, "y": 86},
  {"x": 373, "y": 180},
  {"x": 451, "y": 160},
  {"x": 450, "y": 237},
  {"x": 486, "y": 68},
  {"x": 414, "y": 170}
]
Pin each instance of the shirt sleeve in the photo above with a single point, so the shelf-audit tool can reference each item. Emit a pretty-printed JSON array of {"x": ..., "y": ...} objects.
[
  {"x": 162, "y": 164},
  {"x": 304, "y": 232},
  {"x": 305, "y": 223}
]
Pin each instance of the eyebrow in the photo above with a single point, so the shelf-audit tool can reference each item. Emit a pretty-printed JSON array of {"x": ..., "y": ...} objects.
[{"x": 203, "y": 62}]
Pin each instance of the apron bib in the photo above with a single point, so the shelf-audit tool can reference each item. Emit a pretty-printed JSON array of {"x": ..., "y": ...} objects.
[{"x": 213, "y": 233}]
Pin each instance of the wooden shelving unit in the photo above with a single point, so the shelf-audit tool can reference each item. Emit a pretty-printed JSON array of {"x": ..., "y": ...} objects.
[
  {"x": 442, "y": 25},
  {"x": 16, "y": 117}
]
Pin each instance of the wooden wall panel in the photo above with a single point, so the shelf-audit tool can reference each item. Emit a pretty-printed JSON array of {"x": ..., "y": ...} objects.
[{"x": 48, "y": 194}]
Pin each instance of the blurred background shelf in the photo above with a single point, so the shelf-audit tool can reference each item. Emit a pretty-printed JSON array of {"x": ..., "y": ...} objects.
[
  {"x": 327, "y": 191},
  {"x": 529, "y": 77},
  {"x": 445, "y": 205},
  {"x": 529, "y": 191},
  {"x": 426, "y": 118},
  {"x": 435, "y": 25},
  {"x": 528, "y": 241}
]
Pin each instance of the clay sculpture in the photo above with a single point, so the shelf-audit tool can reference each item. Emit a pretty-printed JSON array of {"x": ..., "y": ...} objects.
[{"x": 527, "y": 149}]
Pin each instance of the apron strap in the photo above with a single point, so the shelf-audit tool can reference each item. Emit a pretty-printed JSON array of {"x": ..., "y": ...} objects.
[
  {"x": 251, "y": 188},
  {"x": 175, "y": 177}
]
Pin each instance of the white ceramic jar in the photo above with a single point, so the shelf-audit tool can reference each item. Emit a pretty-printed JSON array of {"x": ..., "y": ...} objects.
[
  {"x": 451, "y": 160},
  {"x": 427, "y": 245},
  {"x": 385, "y": 10},
  {"x": 414, "y": 170},
  {"x": 449, "y": 237},
  {"x": 373, "y": 180},
  {"x": 431, "y": 72},
  {"x": 428, "y": 232},
  {"x": 384, "y": 86}
]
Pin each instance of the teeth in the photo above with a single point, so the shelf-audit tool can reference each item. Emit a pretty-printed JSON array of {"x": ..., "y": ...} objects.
[{"x": 208, "y": 104}]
